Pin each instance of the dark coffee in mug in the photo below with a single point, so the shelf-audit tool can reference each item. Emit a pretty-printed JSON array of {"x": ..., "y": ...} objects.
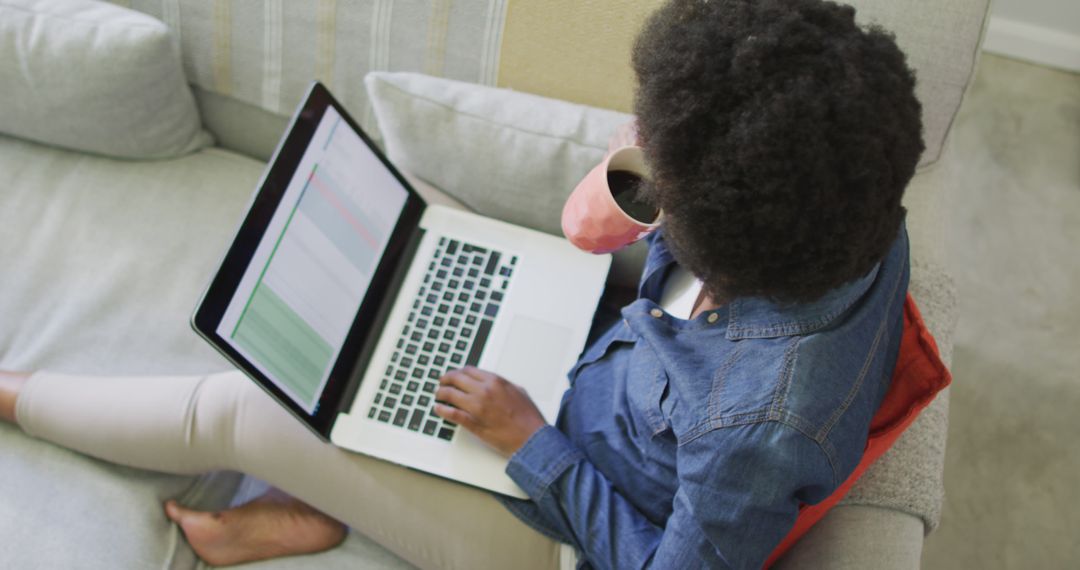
[{"x": 624, "y": 187}]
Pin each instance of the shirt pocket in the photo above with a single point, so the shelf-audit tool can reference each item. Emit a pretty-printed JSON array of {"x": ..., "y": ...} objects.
[
  {"x": 619, "y": 333},
  {"x": 647, "y": 389}
]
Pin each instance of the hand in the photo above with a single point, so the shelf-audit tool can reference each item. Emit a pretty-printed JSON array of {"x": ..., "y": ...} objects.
[
  {"x": 625, "y": 135},
  {"x": 497, "y": 411}
]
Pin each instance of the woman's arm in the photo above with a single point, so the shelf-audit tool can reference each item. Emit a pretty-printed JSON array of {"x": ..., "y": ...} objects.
[{"x": 740, "y": 487}]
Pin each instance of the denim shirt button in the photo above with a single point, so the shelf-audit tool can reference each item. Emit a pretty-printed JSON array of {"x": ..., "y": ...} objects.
[
  {"x": 656, "y": 313},
  {"x": 713, "y": 317}
]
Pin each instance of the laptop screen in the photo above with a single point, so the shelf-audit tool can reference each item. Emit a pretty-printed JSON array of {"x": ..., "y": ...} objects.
[{"x": 303, "y": 287}]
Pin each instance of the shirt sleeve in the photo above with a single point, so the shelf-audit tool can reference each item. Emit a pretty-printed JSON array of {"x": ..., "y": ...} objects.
[{"x": 739, "y": 493}]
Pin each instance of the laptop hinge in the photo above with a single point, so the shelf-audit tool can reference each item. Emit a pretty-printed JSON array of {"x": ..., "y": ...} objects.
[{"x": 394, "y": 288}]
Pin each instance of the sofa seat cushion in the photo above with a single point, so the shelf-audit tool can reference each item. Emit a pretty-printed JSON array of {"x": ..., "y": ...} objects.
[{"x": 103, "y": 262}]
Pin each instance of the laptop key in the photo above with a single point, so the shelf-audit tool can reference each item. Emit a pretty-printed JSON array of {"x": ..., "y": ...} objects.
[
  {"x": 371, "y": 412},
  {"x": 406, "y": 400},
  {"x": 400, "y": 416},
  {"x": 492, "y": 263},
  {"x": 416, "y": 419},
  {"x": 384, "y": 416},
  {"x": 446, "y": 433},
  {"x": 413, "y": 386},
  {"x": 429, "y": 427},
  {"x": 479, "y": 341}
]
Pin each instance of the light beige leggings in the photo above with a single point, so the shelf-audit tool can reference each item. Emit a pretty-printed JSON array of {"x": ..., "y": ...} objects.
[{"x": 194, "y": 424}]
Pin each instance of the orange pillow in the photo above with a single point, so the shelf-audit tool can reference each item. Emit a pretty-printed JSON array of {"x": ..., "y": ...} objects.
[{"x": 918, "y": 377}]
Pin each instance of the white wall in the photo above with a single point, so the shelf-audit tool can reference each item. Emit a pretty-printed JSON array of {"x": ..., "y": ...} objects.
[
  {"x": 1042, "y": 31},
  {"x": 1059, "y": 15}
]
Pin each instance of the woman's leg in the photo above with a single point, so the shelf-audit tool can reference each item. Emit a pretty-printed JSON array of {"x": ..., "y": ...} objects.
[{"x": 224, "y": 421}]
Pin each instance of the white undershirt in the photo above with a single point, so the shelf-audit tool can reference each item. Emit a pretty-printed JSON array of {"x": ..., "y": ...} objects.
[{"x": 680, "y": 292}]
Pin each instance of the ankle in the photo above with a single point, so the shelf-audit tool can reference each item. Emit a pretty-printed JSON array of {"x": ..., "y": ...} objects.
[{"x": 11, "y": 384}]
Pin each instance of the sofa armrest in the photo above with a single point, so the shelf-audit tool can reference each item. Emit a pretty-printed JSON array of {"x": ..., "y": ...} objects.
[{"x": 856, "y": 537}]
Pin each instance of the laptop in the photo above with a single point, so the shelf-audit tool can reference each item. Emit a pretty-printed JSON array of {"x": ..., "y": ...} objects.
[{"x": 345, "y": 296}]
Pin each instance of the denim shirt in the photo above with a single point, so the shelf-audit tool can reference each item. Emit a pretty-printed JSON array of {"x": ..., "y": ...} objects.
[{"x": 692, "y": 443}]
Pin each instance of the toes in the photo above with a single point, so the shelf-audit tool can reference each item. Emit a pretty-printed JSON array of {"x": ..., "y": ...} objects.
[{"x": 179, "y": 514}]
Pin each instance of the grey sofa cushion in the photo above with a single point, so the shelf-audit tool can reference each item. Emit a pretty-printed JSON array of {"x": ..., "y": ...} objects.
[
  {"x": 94, "y": 77},
  {"x": 110, "y": 257}
]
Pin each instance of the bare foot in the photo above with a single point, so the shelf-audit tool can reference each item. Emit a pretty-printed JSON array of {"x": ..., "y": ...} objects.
[{"x": 271, "y": 526}]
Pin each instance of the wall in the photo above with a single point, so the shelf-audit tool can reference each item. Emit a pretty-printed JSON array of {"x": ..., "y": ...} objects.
[{"x": 1041, "y": 31}]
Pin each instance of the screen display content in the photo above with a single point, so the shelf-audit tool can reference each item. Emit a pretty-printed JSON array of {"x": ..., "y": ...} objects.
[{"x": 304, "y": 285}]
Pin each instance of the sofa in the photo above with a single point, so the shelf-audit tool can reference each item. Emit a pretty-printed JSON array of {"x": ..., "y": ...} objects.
[{"x": 126, "y": 174}]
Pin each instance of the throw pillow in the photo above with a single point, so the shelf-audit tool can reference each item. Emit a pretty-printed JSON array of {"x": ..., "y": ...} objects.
[
  {"x": 94, "y": 77},
  {"x": 505, "y": 154}
]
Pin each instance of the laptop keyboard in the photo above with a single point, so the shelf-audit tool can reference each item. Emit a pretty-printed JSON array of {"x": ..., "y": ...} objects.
[{"x": 447, "y": 328}]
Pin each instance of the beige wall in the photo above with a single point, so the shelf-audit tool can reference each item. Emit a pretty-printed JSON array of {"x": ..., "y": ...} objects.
[{"x": 578, "y": 50}]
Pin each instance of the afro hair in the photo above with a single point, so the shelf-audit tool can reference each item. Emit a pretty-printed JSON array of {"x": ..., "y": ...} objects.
[{"x": 780, "y": 135}]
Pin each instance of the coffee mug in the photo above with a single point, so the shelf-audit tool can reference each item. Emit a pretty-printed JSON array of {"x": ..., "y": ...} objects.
[{"x": 601, "y": 215}]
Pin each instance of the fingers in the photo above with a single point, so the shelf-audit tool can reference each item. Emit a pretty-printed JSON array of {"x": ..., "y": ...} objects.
[
  {"x": 463, "y": 390},
  {"x": 456, "y": 415},
  {"x": 455, "y": 397}
]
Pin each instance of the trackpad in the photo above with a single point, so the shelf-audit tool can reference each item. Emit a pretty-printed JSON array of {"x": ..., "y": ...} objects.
[{"x": 533, "y": 356}]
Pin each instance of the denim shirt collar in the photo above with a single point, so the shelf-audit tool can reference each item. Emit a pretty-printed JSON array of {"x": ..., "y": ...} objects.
[{"x": 756, "y": 317}]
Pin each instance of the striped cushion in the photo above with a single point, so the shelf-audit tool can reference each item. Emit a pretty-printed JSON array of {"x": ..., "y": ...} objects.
[{"x": 266, "y": 53}]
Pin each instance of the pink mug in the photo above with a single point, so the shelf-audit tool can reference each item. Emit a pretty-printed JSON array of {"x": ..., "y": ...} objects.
[{"x": 592, "y": 220}]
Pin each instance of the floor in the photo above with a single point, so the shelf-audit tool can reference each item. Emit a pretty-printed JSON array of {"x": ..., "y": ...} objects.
[{"x": 1012, "y": 474}]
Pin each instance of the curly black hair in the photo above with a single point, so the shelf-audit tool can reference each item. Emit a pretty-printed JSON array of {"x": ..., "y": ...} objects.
[{"x": 780, "y": 136}]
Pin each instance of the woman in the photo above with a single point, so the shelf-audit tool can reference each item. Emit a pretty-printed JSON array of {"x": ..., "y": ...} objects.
[{"x": 739, "y": 384}]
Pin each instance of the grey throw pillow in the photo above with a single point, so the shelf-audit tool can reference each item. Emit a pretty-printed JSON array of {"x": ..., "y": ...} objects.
[
  {"x": 506, "y": 154},
  {"x": 94, "y": 77}
]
